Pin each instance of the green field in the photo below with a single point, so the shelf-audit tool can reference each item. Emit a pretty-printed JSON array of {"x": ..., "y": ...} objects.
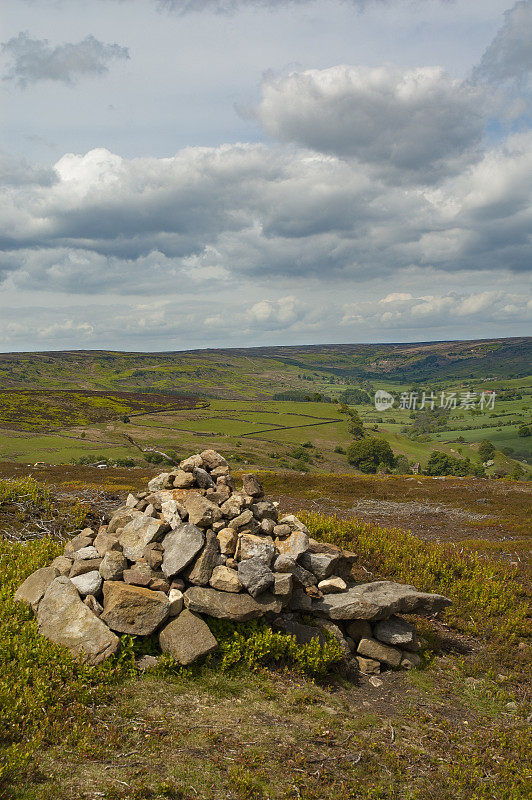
[{"x": 117, "y": 405}]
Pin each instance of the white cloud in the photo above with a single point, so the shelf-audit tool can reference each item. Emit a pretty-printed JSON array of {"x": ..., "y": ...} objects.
[{"x": 415, "y": 125}]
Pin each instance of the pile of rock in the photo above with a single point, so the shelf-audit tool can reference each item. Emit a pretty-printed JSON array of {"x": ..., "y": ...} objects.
[{"x": 190, "y": 547}]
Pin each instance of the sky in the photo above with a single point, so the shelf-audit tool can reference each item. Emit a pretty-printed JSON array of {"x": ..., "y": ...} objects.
[{"x": 180, "y": 174}]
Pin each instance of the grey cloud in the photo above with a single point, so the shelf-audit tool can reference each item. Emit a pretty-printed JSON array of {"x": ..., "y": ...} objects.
[
  {"x": 34, "y": 60},
  {"x": 214, "y": 215},
  {"x": 509, "y": 56},
  {"x": 416, "y": 125}
]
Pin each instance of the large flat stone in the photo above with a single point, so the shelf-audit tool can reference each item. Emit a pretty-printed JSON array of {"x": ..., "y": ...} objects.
[
  {"x": 397, "y": 632},
  {"x": 223, "y": 605},
  {"x": 200, "y": 572},
  {"x": 180, "y": 547},
  {"x": 187, "y": 638},
  {"x": 34, "y": 587},
  {"x": 140, "y": 532},
  {"x": 66, "y": 620},
  {"x": 379, "y": 600},
  {"x": 371, "y": 648},
  {"x": 133, "y": 609}
]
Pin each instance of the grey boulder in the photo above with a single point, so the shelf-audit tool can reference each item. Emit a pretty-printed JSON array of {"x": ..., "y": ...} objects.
[
  {"x": 255, "y": 576},
  {"x": 225, "y": 605},
  {"x": 180, "y": 547},
  {"x": 34, "y": 587},
  {"x": 140, "y": 532},
  {"x": 186, "y": 638},
  {"x": 66, "y": 620},
  {"x": 379, "y": 600}
]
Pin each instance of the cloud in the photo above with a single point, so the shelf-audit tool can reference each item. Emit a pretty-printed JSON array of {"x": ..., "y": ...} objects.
[
  {"x": 213, "y": 215},
  {"x": 34, "y": 60},
  {"x": 509, "y": 56},
  {"x": 416, "y": 124},
  {"x": 407, "y": 311},
  {"x": 230, "y": 6}
]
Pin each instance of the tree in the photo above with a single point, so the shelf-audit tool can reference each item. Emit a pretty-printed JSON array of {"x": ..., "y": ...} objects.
[
  {"x": 443, "y": 464},
  {"x": 402, "y": 467},
  {"x": 486, "y": 450},
  {"x": 368, "y": 454},
  {"x": 523, "y": 431}
]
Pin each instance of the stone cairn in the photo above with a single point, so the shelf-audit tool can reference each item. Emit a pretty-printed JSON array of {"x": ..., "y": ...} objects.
[{"x": 190, "y": 547}]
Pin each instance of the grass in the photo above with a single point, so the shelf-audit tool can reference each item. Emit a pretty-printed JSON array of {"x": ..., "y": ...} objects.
[{"x": 236, "y": 728}]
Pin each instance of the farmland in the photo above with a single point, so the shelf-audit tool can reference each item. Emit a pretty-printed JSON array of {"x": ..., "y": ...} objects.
[{"x": 125, "y": 404}]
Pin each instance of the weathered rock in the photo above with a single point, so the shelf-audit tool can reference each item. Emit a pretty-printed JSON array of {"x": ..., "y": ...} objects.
[
  {"x": 359, "y": 629},
  {"x": 162, "y": 481},
  {"x": 368, "y": 666},
  {"x": 203, "y": 479},
  {"x": 225, "y": 605},
  {"x": 89, "y": 552},
  {"x": 284, "y": 563},
  {"x": 88, "y": 583},
  {"x": 303, "y": 634},
  {"x": 218, "y": 495},
  {"x": 159, "y": 583},
  {"x": 322, "y": 565},
  {"x": 213, "y": 460},
  {"x": 232, "y": 507},
  {"x": 91, "y": 602},
  {"x": 146, "y": 662},
  {"x": 188, "y": 464},
  {"x": 251, "y": 546},
  {"x": 140, "y": 532},
  {"x": 294, "y": 523},
  {"x": 173, "y": 512},
  {"x": 120, "y": 519},
  {"x": 180, "y": 548},
  {"x": 227, "y": 540},
  {"x": 153, "y": 555},
  {"x": 84, "y": 566},
  {"x": 282, "y": 586},
  {"x": 225, "y": 579},
  {"x": 371, "y": 648},
  {"x": 176, "y": 602},
  {"x": 83, "y": 539},
  {"x": 378, "y": 600},
  {"x": 113, "y": 565},
  {"x": 62, "y": 564},
  {"x": 281, "y": 531},
  {"x": 201, "y": 571},
  {"x": 255, "y": 576},
  {"x": 251, "y": 485},
  {"x": 242, "y": 520},
  {"x": 140, "y": 574},
  {"x": 182, "y": 479},
  {"x": 201, "y": 512},
  {"x": 267, "y": 526},
  {"x": 131, "y": 500},
  {"x": 397, "y": 632},
  {"x": 299, "y": 601},
  {"x": 187, "y": 638},
  {"x": 133, "y": 609},
  {"x": 105, "y": 542},
  {"x": 64, "y": 619},
  {"x": 221, "y": 471},
  {"x": 409, "y": 660},
  {"x": 265, "y": 509},
  {"x": 34, "y": 587},
  {"x": 294, "y": 545},
  {"x": 334, "y": 631},
  {"x": 332, "y": 585}
]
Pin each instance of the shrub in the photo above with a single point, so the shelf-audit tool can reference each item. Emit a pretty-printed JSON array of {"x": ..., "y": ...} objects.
[
  {"x": 339, "y": 449},
  {"x": 367, "y": 454},
  {"x": 402, "y": 467},
  {"x": 524, "y": 430}
]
